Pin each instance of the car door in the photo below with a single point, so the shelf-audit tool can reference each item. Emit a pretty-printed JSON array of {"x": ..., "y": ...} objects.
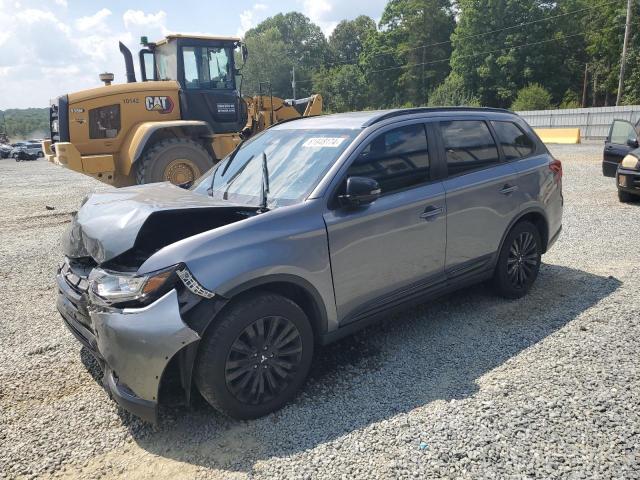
[
  {"x": 481, "y": 194},
  {"x": 622, "y": 138},
  {"x": 394, "y": 247}
]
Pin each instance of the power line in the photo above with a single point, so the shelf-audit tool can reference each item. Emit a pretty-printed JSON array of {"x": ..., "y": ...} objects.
[{"x": 518, "y": 25}]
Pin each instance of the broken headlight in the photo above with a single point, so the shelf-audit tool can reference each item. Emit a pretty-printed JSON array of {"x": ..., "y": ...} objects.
[{"x": 109, "y": 288}]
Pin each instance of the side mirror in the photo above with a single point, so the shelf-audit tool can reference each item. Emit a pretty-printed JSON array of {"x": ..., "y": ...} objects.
[
  {"x": 360, "y": 191},
  {"x": 245, "y": 53},
  {"x": 633, "y": 143}
]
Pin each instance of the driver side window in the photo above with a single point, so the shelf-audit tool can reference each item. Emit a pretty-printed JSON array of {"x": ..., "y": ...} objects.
[
  {"x": 622, "y": 132},
  {"x": 397, "y": 159}
]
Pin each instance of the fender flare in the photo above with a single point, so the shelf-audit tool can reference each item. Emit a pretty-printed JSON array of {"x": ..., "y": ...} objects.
[
  {"x": 286, "y": 278},
  {"x": 140, "y": 135},
  {"x": 521, "y": 215}
]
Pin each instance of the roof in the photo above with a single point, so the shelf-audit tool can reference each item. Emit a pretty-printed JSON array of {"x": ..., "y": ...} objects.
[
  {"x": 173, "y": 36},
  {"x": 359, "y": 120}
]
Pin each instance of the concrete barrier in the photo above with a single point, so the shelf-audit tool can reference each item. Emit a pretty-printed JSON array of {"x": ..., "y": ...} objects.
[{"x": 559, "y": 135}]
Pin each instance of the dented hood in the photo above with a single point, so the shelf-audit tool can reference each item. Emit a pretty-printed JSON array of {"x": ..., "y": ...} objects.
[{"x": 108, "y": 224}]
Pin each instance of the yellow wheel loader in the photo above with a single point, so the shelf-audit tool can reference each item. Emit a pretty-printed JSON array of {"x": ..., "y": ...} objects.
[{"x": 184, "y": 116}]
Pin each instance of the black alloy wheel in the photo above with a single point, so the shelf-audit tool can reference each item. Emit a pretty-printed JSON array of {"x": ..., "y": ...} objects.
[
  {"x": 519, "y": 261},
  {"x": 255, "y": 356},
  {"x": 523, "y": 259},
  {"x": 263, "y": 360}
]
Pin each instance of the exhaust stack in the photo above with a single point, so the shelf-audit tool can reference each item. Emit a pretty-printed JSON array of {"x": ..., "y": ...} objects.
[{"x": 128, "y": 63}]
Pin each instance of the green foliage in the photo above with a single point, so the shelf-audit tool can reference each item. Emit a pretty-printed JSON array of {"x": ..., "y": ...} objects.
[
  {"x": 570, "y": 100},
  {"x": 347, "y": 40},
  {"x": 452, "y": 93},
  {"x": 268, "y": 62},
  {"x": 22, "y": 124},
  {"x": 532, "y": 97},
  {"x": 343, "y": 88}
]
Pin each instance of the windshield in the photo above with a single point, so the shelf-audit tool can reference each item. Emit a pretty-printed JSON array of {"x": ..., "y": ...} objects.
[{"x": 296, "y": 161}]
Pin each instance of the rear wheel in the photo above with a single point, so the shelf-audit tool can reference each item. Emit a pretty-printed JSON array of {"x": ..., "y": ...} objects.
[
  {"x": 625, "y": 197},
  {"x": 519, "y": 261},
  {"x": 256, "y": 357},
  {"x": 40, "y": 154},
  {"x": 175, "y": 160}
]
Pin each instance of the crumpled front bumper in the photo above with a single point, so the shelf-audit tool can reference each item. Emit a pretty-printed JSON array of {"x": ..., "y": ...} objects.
[{"x": 132, "y": 345}]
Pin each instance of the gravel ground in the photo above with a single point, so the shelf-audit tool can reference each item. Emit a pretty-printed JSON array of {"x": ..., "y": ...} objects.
[{"x": 470, "y": 386}]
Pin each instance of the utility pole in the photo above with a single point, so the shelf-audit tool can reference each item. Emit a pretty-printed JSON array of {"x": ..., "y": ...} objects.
[
  {"x": 625, "y": 45},
  {"x": 293, "y": 83},
  {"x": 585, "y": 86}
]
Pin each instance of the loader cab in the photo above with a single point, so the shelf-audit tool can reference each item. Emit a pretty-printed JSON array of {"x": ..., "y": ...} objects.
[{"x": 206, "y": 69}]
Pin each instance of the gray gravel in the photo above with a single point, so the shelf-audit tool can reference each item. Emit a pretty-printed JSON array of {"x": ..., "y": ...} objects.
[{"x": 470, "y": 386}]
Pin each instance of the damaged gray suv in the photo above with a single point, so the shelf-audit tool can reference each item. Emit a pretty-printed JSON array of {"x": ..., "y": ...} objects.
[{"x": 305, "y": 233}]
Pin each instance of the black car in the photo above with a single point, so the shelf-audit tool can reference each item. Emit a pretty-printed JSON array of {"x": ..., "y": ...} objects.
[
  {"x": 628, "y": 177},
  {"x": 622, "y": 139}
]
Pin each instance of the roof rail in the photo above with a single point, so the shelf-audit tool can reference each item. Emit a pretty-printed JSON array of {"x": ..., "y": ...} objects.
[{"x": 406, "y": 111}]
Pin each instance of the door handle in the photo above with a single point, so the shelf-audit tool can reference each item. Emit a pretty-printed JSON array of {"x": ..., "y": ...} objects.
[
  {"x": 508, "y": 189},
  {"x": 431, "y": 212}
]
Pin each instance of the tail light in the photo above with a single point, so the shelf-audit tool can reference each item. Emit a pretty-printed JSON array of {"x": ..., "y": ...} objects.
[{"x": 556, "y": 167}]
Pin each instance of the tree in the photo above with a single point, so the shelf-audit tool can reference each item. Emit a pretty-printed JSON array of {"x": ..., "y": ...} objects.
[
  {"x": 452, "y": 93},
  {"x": 343, "y": 88},
  {"x": 305, "y": 47},
  {"x": 415, "y": 36},
  {"x": 347, "y": 40},
  {"x": 268, "y": 62},
  {"x": 532, "y": 97},
  {"x": 495, "y": 56}
]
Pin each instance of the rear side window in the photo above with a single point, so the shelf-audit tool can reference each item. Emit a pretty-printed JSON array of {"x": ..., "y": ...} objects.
[
  {"x": 515, "y": 143},
  {"x": 396, "y": 159},
  {"x": 468, "y": 145}
]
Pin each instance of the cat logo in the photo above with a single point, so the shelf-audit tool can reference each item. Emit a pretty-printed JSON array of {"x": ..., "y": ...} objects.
[{"x": 159, "y": 104}]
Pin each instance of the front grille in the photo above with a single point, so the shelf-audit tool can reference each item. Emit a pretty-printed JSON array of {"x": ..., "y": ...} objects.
[{"x": 74, "y": 286}]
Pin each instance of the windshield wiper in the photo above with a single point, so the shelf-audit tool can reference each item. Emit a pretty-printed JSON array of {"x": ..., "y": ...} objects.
[
  {"x": 265, "y": 184},
  {"x": 226, "y": 167}
]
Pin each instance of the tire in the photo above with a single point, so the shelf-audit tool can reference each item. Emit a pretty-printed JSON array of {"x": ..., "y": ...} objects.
[
  {"x": 179, "y": 160},
  {"x": 626, "y": 197},
  {"x": 519, "y": 261},
  {"x": 226, "y": 369},
  {"x": 39, "y": 154}
]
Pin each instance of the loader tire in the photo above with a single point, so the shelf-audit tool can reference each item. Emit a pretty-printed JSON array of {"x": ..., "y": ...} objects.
[{"x": 175, "y": 160}]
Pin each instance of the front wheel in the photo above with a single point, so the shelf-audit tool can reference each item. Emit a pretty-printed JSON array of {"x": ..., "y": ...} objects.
[
  {"x": 175, "y": 160},
  {"x": 255, "y": 357},
  {"x": 519, "y": 261}
]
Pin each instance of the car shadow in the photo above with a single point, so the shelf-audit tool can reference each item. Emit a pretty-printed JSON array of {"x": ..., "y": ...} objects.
[{"x": 436, "y": 351}]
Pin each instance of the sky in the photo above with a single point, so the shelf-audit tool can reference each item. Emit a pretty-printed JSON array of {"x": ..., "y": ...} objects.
[{"x": 52, "y": 47}]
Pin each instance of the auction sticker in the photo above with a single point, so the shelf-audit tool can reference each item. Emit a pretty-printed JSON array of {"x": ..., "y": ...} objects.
[{"x": 322, "y": 142}]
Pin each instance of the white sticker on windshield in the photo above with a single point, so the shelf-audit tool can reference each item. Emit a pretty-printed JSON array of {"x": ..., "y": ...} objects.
[{"x": 322, "y": 142}]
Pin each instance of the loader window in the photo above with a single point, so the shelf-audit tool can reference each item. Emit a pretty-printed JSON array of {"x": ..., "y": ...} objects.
[
  {"x": 207, "y": 68},
  {"x": 104, "y": 122}
]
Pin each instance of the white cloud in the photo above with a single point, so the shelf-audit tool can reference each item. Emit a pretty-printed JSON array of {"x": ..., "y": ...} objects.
[
  {"x": 93, "y": 22},
  {"x": 137, "y": 18},
  {"x": 328, "y": 13},
  {"x": 248, "y": 18},
  {"x": 62, "y": 3}
]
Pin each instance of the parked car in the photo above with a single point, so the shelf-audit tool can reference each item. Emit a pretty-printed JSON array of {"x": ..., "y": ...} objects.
[
  {"x": 304, "y": 234},
  {"x": 32, "y": 148},
  {"x": 628, "y": 177},
  {"x": 622, "y": 139},
  {"x": 5, "y": 150},
  {"x": 22, "y": 154}
]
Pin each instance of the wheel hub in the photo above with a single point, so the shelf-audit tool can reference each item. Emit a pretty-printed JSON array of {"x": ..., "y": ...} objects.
[
  {"x": 181, "y": 170},
  {"x": 263, "y": 360},
  {"x": 522, "y": 259}
]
